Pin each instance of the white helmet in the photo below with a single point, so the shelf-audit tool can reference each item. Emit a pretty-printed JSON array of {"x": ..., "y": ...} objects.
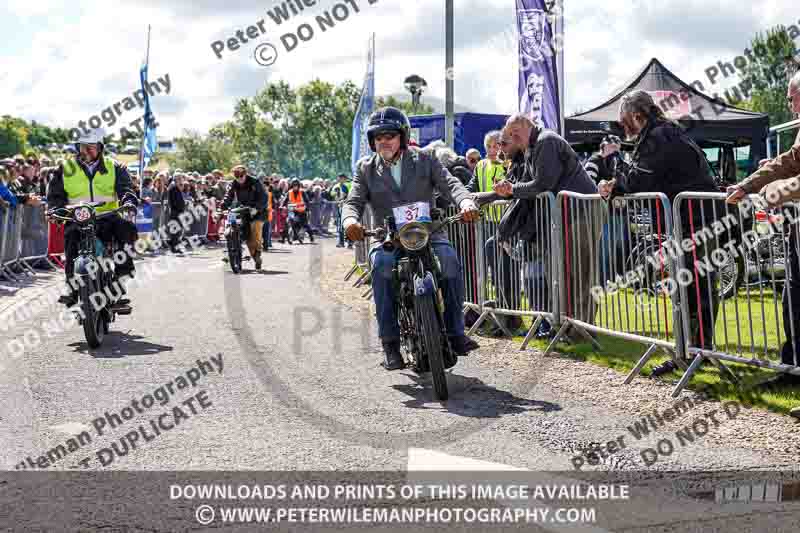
[{"x": 94, "y": 136}]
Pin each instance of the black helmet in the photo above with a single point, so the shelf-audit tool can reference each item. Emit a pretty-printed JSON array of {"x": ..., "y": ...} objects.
[{"x": 388, "y": 119}]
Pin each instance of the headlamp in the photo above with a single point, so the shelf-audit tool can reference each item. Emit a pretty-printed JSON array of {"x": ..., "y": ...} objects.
[
  {"x": 414, "y": 236},
  {"x": 82, "y": 214}
]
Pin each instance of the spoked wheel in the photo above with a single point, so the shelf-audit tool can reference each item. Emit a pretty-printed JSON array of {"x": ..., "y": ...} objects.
[
  {"x": 410, "y": 345},
  {"x": 730, "y": 275},
  {"x": 235, "y": 251},
  {"x": 94, "y": 323},
  {"x": 431, "y": 335}
]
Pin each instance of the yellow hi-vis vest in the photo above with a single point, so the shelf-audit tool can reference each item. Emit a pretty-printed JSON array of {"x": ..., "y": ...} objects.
[
  {"x": 489, "y": 173},
  {"x": 80, "y": 189}
]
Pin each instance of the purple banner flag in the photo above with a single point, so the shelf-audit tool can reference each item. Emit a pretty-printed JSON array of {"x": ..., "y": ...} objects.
[{"x": 540, "y": 40}]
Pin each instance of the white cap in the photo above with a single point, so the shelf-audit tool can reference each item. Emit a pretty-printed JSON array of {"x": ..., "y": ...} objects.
[{"x": 95, "y": 135}]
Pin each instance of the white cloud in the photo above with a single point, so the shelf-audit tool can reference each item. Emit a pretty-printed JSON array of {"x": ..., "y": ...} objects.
[{"x": 82, "y": 58}]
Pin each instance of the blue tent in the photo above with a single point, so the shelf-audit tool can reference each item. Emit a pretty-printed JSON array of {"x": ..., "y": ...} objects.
[{"x": 470, "y": 128}]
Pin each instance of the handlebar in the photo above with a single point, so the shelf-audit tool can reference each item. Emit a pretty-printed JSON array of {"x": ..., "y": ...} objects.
[{"x": 53, "y": 213}]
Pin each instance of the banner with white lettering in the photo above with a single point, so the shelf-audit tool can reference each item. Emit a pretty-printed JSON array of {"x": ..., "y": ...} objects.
[{"x": 540, "y": 69}]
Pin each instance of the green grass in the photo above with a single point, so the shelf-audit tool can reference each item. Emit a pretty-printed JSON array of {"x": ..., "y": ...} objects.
[{"x": 622, "y": 355}]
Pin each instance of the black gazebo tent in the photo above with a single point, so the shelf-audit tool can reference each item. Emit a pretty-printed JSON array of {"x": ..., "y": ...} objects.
[{"x": 711, "y": 123}]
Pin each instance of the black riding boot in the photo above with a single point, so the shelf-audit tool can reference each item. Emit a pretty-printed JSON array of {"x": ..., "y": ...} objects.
[{"x": 392, "y": 359}]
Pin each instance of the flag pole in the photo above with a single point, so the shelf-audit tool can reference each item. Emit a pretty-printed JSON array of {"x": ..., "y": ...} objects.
[{"x": 141, "y": 146}]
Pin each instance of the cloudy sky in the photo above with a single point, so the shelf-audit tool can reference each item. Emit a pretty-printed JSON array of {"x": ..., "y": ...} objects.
[{"x": 66, "y": 61}]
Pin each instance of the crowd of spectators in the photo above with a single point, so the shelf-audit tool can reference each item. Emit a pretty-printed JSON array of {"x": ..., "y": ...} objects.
[{"x": 24, "y": 181}]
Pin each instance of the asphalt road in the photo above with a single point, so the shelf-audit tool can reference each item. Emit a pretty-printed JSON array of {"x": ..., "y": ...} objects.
[{"x": 285, "y": 378}]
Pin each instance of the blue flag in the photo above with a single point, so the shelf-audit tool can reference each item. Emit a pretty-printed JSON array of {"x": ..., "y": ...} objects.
[
  {"x": 150, "y": 143},
  {"x": 539, "y": 62},
  {"x": 365, "y": 107}
]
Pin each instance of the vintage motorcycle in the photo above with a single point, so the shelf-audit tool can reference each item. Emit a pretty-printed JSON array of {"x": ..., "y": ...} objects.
[
  {"x": 95, "y": 268},
  {"x": 296, "y": 224},
  {"x": 233, "y": 237},
  {"x": 420, "y": 304}
]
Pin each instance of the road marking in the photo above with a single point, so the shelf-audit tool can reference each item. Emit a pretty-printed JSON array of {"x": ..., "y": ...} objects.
[
  {"x": 70, "y": 428},
  {"x": 422, "y": 460}
]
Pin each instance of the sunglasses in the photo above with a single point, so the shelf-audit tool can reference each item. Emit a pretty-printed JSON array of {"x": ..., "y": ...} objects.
[
  {"x": 473, "y": 161},
  {"x": 502, "y": 142}
]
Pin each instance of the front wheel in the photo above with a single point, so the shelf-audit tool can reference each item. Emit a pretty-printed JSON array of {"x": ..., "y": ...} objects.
[
  {"x": 94, "y": 327},
  {"x": 235, "y": 250},
  {"x": 431, "y": 336}
]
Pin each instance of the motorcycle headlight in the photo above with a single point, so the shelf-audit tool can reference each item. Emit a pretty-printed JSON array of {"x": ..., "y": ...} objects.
[
  {"x": 413, "y": 236},
  {"x": 129, "y": 215},
  {"x": 82, "y": 214}
]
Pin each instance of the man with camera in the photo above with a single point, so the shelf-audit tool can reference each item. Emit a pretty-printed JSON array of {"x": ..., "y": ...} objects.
[
  {"x": 666, "y": 160},
  {"x": 608, "y": 164}
]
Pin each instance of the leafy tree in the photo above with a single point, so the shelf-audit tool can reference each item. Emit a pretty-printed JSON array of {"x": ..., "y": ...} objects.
[
  {"x": 201, "y": 153},
  {"x": 296, "y": 132},
  {"x": 769, "y": 77},
  {"x": 405, "y": 106},
  {"x": 13, "y": 136}
]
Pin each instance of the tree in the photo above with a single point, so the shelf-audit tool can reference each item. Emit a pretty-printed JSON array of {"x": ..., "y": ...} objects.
[
  {"x": 13, "y": 136},
  {"x": 406, "y": 107},
  {"x": 769, "y": 77},
  {"x": 201, "y": 153},
  {"x": 296, "y": 132}
]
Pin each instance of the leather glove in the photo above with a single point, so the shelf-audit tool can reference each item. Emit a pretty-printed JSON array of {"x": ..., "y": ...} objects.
[{"x": 355, "y": 232}]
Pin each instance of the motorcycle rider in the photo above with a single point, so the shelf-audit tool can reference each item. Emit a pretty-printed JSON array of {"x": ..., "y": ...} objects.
[
  {"x": 394, "y": 175},
  {"x": 301, "y": 202},
  {"x": 250, "y": 192},
  {"x": 94, "y": 177}
]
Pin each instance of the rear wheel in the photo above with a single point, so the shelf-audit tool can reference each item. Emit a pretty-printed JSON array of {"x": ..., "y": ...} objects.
[
  {"x": 431, "y": 334},
  {"x": 94, "y": 327}
]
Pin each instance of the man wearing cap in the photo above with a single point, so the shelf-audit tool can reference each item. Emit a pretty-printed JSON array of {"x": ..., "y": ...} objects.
[{"x": 248, "y": 191}]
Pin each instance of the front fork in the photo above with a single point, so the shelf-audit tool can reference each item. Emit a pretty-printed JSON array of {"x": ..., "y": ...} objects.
[{"x": 424, "y": 280}]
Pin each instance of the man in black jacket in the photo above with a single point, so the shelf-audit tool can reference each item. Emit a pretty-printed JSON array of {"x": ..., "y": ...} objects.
[
  {"x": 602, "y": 166},
  {"x": 250, "y": 192},
  {"x": 666, "y": 160},
  {"x": 543, "y": 161},
  {"x": 177, "y": 205}
]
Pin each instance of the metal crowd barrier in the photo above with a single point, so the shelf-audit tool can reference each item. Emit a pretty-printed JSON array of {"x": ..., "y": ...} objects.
[
  {"x": 746, "y": 261},
  {"x": 199, "y": 224},
  {"x": 315, "y": 217},
  {"x": 11, "y": 243},
  {"x": 328, "y": 209},
  {"x": 34, "y": 237},
  {"x": 615, "y": 271},
  {"x": 509, "y": 279}
]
